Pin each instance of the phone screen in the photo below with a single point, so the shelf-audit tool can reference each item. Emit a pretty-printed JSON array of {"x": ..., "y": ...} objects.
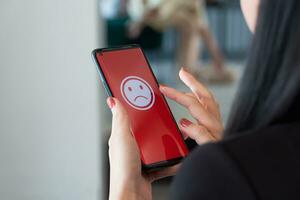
[{"x": 129, "y": 78}]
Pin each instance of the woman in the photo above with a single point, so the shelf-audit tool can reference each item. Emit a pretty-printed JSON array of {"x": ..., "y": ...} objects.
[
  {"x": 188, "y": 17},
  {"x": 259, "y": 155}
]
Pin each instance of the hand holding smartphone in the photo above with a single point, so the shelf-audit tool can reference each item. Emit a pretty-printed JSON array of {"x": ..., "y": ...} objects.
[{"x": 127, "y": 76}]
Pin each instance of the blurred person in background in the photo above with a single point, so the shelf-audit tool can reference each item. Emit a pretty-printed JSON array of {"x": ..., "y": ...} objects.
[
  {"x": 259, "y": 154},
  {"x": 189, "y": 19},
  {"x": 113, "y": 8}
]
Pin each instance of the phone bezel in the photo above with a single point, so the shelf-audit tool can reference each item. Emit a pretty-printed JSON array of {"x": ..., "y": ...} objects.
[{"x": 152, "y": 166}]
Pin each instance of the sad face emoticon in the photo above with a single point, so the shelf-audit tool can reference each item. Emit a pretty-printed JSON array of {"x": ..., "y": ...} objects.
[{"x": 137, "y": 93}]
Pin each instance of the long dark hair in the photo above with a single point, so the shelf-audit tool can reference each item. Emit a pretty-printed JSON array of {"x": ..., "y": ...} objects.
[{"x": 270, "y": 86}]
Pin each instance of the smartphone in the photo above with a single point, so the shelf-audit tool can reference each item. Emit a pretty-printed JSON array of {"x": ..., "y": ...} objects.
[{"x": 126, "y": 75}]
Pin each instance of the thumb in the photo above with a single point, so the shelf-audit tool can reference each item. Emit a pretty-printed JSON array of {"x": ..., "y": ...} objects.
[
  {"x": 120, "y": 119},
  {"x": 115, "y": 106}
]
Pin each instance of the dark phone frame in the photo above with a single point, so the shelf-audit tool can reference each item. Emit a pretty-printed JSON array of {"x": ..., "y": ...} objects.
[{"x": 153, "y": 166}]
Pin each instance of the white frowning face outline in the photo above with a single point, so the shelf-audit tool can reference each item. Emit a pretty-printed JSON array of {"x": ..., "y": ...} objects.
[{"x": 137, "y": 93}]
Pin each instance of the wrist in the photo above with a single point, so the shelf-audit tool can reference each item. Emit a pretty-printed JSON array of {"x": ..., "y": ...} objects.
[
  {"x": 123, "y": 193},
  {"x": 126, "y": 189}
]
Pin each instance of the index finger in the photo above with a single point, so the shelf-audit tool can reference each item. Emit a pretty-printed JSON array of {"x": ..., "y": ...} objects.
[
  {"x": 194, "y": 107},
  {"x": 179, "y": 97},
  {"x": 196, "y": 87}
]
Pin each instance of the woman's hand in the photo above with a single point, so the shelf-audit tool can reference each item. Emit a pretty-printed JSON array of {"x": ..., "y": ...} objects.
[
  {"x": 201, "y": 105},
  {"x": 126, "y": 178}
]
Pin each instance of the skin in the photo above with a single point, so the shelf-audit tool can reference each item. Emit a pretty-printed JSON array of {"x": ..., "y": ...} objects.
[
  {"x": 126, "y": 178},
  {"x": 250, "y": 11}
]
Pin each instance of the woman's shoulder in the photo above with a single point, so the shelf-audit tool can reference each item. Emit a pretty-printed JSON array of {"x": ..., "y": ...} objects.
[
  {"x": 210, "y": 173},
  {"x": 270, "y": 158},
  {"x": 246, "y": 166}
]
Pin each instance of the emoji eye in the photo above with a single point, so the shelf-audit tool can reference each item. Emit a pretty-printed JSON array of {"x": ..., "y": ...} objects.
[
  {"x": 130, "y": 89},
  {"x": 141, "y": 87}
]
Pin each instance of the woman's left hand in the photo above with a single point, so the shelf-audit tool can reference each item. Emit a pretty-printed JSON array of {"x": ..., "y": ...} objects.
[{"x": 126, "y": 178}]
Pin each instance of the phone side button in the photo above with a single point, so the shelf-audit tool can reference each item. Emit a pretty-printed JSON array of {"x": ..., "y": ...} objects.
[{"x": 108, "y": 93}]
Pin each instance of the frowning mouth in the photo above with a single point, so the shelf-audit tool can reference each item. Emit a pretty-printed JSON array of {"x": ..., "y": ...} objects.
[{"x": 140, "y": 96}]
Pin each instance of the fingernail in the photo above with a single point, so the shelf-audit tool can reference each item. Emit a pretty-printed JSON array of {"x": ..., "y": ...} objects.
[
  {"x": 184, "y": 135},
  {"x": 184, "y": 69},
  {"x": 185, "y": 122},
  {"x": 110, "y": 102},
  {"x": 162, "y": 87}
]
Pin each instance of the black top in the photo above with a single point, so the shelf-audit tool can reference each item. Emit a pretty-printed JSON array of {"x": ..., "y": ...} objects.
[{"x": 258, "y": 165}]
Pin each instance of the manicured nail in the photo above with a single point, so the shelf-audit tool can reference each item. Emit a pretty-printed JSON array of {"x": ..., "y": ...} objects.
[
  {"x": 110, "y": 102},
  {"x": 185, "y": 136},
  {"x": 185, "y": 122}
]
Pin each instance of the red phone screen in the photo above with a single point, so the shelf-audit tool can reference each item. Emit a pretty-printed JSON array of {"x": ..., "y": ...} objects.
[{"x": 130, "y": 79}]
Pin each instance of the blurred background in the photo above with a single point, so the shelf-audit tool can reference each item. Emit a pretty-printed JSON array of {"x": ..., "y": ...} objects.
[{"x": 54, "y": 123}]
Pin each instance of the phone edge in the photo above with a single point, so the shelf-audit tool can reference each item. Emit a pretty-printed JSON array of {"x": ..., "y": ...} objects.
[{"x": 145, "y": 167}]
